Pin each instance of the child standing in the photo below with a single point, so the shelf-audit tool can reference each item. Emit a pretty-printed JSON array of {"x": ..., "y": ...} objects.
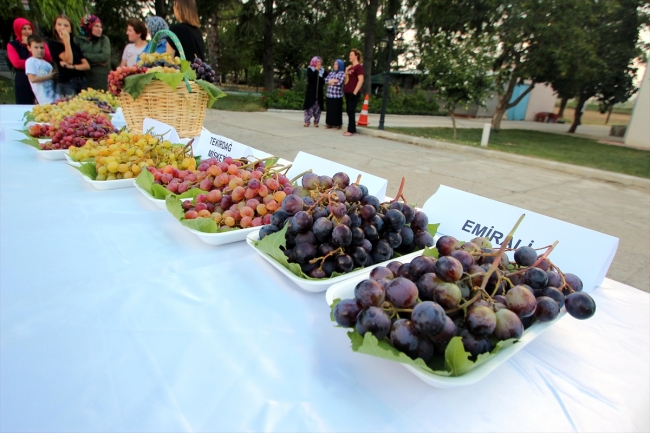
[{"x": 39, "y": 71}]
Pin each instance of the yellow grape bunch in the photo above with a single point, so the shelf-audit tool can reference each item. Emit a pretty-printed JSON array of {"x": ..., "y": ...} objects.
[
  {"x": 123, "y": 155},
  {"x": 54, "y": 113},
  {"x": 153, "y": 60}
]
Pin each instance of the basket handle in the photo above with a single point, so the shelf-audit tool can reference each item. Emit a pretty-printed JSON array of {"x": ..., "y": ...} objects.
[{"x": 169, "y": 34}]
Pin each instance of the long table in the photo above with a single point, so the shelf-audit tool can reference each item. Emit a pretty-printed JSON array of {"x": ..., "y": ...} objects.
[{"x": 113, "y": 317}]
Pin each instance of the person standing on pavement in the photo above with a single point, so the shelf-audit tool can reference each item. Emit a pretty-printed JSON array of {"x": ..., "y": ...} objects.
[
  {"x": 352, "y": 89},
  {"x": 313, "y": 104},
  {"x": 96, "y": 48},
  {"x": 187, "y": 31},
  {"x": 68, "y": 58},
  {"x": 335, "y": 82},
  {"x": 18, "y": 52}
]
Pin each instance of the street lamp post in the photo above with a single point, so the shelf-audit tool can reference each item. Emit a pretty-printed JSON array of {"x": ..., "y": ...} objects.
[{"x": 387, "y": 41}]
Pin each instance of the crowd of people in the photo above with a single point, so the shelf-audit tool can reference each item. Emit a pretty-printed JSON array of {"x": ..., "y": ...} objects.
[
  {"x": 83, "y": 61},
  {"x": 341, "y": 82}
]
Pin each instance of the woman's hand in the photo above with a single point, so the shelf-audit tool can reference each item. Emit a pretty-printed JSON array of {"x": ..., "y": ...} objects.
[
  {"x": 64, "y": 35},
  {"x": 67, "y": 65}
]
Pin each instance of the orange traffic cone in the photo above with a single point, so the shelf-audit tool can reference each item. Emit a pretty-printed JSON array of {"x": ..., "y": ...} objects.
[{"x": 363, "y": 118}]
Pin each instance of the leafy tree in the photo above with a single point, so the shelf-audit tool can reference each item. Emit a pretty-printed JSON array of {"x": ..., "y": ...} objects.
[
  {"x": 458, "y": 68},
  {"x": 529, "y": 35}
]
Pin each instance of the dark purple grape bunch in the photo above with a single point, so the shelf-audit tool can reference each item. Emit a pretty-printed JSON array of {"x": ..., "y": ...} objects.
[
  {"x": 203, "y": 70},
  {"x": 421, "y": 305},
  {"x": 335, "y": 226}
]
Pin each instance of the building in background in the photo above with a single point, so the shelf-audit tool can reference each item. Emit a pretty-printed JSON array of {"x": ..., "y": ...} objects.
[{"x": 637, "y": 133}]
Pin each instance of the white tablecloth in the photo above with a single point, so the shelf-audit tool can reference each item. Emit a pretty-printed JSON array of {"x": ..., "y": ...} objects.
[{"x": 113, "y": 317}]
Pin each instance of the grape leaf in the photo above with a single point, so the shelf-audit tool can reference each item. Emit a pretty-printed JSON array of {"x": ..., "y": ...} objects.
[
  {"x": 433, "y": 229},
  {"x": 172, "y": 79},
  {"x": 430, "y": 252},
  {"x": 32, "y": 142},
  {"x": 29, "y": 117},
  {"x": 145, "y": 180},
  {"x": 205, "y": 225},
  {"x": 24, "y": 131},
  {"x": 88, "y": 169},
  {"x": 185, "y": 65},
  {"x": 213, "y": 92},
  {"x": 332, "y": 307},
  {"x": 456, "y": 360},
  {"x": 134, "y": 84}
]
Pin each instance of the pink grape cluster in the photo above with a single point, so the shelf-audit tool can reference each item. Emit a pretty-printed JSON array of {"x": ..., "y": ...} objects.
[
  {"x": 76, "y": 129},
  {"x": 238, "y": 193}
]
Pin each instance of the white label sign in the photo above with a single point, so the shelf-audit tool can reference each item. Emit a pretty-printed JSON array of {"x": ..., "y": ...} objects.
[
  {"x": 216, "y": 146},
  {"x": 304, "y": 161},
  {"x": 159, "y": 128},
  {"x": 580, "y": 251}
]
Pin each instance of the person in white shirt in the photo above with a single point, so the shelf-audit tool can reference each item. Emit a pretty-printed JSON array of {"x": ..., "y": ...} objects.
[
  {"x": 136, "y": 31},
  {"x": 39, "y": 72}
]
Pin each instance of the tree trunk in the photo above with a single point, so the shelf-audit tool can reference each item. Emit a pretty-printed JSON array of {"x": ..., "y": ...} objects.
[
  {"x": 267, "y": 57},
  {"x": 369, "y": 45},
  {"x": 213, "y": 41},
  {"x": 452, "y": 110},
  {"x": 562, "y": 107},
  {"x": 502, "y": 105},
  {"x": 578, "y": 114},
  {"x": 609, "y": 113},
  {"x": 161, "y": 8}
]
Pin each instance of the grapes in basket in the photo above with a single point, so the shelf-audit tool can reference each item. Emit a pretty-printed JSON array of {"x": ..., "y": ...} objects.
[
  {"x": 470, "y": 292},
  {"x": 159, "y": 62},
  {"x": 334, "y": 226},
  {"x": 238, "y": 193},
  {"x": 116, "y": 77},
  {"x": 203, "y": 70}
]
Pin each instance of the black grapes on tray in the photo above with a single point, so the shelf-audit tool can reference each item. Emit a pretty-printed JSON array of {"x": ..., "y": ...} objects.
[
  {"x": 420, "y": 306},
  {"x": 203, "y": 71},
  {"x": 335, "y": 226}
]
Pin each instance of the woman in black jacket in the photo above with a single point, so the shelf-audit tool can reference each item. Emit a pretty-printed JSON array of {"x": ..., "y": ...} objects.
[{"x": 314, "y": 95}]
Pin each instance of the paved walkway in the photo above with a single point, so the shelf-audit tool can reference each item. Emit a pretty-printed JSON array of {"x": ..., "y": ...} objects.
[
  {"x": 606, "y": 207},
  {"x": 596, "y": 132}
]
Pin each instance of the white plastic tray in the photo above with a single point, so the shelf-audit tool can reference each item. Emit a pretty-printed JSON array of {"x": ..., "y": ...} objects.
[
  {"x": 225, "y": 237},
  {"x": 104, "y": 185},
  {"x": 53, "y": 155},
  {"x": 316, "y": 286},
  {"x": 345, "y": 290},
  {"x": 158, "y": 202},
  {"x": 71, "y": 161},
  {"x": 43, "y": 140}
]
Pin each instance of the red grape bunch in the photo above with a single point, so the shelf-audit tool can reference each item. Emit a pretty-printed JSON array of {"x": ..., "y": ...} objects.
[
  {"x": 420, "y": 306},
  {"x": 116, "y": 77},
  {"x": 77, "y": 129},
  {"x": 40, "y": 130},
  {"x": 238, "y": 193},
  {"x": 336, "y": 226}
]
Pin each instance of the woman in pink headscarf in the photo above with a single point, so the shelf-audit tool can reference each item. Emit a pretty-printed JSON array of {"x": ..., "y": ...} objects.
[
  {"x": 314, "y": 94},
  {"x": 18, "y": 53}
]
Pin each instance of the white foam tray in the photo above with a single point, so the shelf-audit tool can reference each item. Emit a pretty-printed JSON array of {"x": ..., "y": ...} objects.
[
  {"x": 71, "y": 161},
  {"x": 104, "y": 185},
  {"x": 316, "y": 286},
  {"x": 225, "y": 237},
  {"x": 53, "y": 155},
  {"x": 345, "y": 290},
  {"x": 158, "y": 202}
]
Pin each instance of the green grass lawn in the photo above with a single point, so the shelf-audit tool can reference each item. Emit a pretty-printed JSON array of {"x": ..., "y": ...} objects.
[
  {"x": 7, "y": 91},
  {"x": 545, "y": 145},
  {"x": 239, "y": 102}
]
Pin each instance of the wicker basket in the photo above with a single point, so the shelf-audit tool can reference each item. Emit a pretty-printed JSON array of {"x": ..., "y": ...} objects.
[{"x": 183, "y": 110}]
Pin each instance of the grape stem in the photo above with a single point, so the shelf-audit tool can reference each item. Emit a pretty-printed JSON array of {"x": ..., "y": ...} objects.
[
  {"x": 358, "y": 180},
  {"x": 400, "y": 192},
  {"x": 564, "y": 283},
  {"x": 300, "y": 175},
  {"x": 322, "y": 259},
  {"x": 497, "y": 260},
  {"x": 537, "y": 262}
]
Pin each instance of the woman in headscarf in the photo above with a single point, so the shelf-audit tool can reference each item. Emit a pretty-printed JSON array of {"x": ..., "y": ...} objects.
[
  {"x": 314, "y": 93},
  {"x": 96, "y": 48},
  {"x": 154, "y": 25},
  {"x": 335, "y": 81},
  {"x": 18, "y": 52}
]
